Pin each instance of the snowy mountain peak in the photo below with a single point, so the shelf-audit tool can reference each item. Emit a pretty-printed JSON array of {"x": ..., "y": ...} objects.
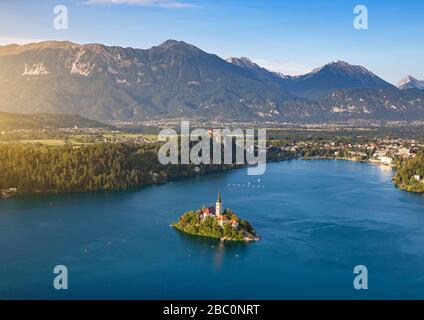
[{"x": 410, "y": 83}]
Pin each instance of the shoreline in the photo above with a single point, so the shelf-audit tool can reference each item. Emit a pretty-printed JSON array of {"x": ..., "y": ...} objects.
[
  {"x": 224, "y": 169},
  {"x": 222, "y": 239}
]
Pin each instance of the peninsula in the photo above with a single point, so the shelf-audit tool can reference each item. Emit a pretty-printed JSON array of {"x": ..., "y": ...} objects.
[
  {"x": 216, "y": 223},
  {"x": 409, "y": 174}
]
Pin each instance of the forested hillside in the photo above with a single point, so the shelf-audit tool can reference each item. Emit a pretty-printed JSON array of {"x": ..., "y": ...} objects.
[
  {"x": 41, "y": 169},
  {"x": 45, "y": 120},
  {"x": 410, "y": 174}
]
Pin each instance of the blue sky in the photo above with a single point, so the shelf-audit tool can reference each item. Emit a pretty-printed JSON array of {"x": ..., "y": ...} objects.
[{"x": 289, "y": 36}]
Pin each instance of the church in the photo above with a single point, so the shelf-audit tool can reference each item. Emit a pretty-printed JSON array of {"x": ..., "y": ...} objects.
[
  {"x": 217, "y": 213},
  {"x": 211, "y": 211}
]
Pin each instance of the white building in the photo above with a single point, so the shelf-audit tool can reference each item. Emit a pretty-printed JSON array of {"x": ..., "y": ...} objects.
[
  {"x": 386, "y": 161},
  {"x": 218, "y": 208}
]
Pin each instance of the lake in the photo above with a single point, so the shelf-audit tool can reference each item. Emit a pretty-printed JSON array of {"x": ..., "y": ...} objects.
[{"x": 317, "y": 219}]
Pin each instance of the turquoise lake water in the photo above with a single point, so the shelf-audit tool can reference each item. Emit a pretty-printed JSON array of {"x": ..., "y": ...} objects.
[{"x": 317, "y": 219}]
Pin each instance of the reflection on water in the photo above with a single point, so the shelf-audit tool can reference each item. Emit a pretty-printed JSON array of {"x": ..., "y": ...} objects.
[{"x": 220, "y": 249}]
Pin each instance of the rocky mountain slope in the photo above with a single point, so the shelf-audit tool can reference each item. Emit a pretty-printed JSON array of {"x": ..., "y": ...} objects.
[
  {"x": 104, "y": 83},
  {"x": 176, "y": 79},
  {"x": 411, "y": 83},
  {"x": 320, "y": 82}
]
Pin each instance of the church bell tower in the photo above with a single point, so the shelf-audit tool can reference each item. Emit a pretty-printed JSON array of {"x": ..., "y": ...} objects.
[{"x": 218, "y": 208}]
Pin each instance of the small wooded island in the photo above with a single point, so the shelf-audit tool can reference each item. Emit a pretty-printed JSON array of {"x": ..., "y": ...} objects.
[{"x": 216, "y": 223}]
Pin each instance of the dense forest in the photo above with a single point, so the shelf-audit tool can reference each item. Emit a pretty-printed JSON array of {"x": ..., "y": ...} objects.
[
  {"x": 42, "y": 169},
  {"x": 410, "y": 173}
]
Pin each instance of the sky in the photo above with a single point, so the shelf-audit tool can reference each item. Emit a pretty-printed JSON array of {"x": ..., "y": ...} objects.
[{"x": 292, "y": 37}]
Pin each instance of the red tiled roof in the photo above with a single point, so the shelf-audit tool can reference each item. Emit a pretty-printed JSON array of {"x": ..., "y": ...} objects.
[{"x": 208, "y": 211}]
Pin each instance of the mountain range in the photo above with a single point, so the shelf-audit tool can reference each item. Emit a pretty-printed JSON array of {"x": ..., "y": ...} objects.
[
  {"x": 179, "y": 80},
  {"x": 320, "y": 82}
]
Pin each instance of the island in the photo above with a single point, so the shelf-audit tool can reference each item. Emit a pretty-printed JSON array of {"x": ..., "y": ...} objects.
[{"x": 216, "y": 223}]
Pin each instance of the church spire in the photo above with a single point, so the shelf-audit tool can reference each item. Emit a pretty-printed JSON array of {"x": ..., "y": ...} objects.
[{"x": 218, "y": 207}]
